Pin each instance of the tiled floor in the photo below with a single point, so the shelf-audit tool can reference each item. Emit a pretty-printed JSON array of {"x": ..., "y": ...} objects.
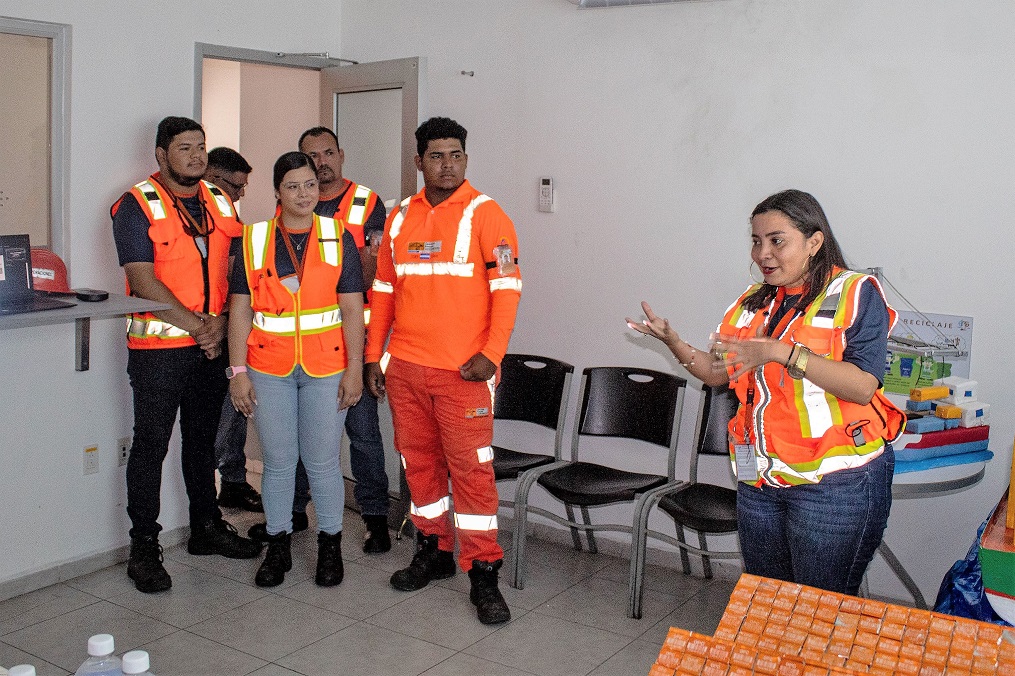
[{"x": 570, "y": 618}]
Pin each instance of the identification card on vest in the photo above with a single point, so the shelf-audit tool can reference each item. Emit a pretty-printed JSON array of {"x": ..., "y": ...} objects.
[{"x": 747, "y": 466}]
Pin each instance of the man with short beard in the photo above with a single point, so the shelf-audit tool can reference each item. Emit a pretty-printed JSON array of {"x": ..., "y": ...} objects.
[{"x": 172, "y": 234}]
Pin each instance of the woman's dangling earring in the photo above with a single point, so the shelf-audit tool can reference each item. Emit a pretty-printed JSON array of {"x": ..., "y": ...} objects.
[{"x": 750, "y": 271}]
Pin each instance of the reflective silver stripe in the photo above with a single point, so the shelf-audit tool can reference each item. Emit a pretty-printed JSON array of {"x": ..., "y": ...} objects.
[
  {"x": 383, "y": 287},
  {"x": 396, "y": 222},
  {"x": 385, "y": 358},
  {"x": 431, "y": 511},
  {"x": 512, "y": 283},
  {"x": 427, "y": 269},
  {"x": 464, "y": 239},
  {"x": 156, "y": 206},
  {"x": 153, "y": 328},
  {"x": 259, "y": 243},
  {"x": 366, "y": 316},
  {"x": 485, "y": 454},
  {"x": 327, "y": 237},
  {"x": 403, "y": 460},
  {"x": 357, "y": 214},
  {"x": 311, "y": 321},
  {"x": 221, "y": 201},
  {"x": 476, "y": 521}
]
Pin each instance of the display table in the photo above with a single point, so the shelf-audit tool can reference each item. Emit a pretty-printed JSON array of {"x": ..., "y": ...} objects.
[
  {"x": 81, "y": 314},
  {"x": 926, "y": 484}
]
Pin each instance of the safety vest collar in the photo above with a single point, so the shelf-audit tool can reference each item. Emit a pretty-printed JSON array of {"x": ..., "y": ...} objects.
[{"x": 157, "y": 202}]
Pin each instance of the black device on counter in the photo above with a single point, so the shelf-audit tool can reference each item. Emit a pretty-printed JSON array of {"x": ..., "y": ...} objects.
[{"x": 91, "y": 295}]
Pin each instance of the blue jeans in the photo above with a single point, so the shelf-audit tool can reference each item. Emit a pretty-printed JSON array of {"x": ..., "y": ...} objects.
[
  {"x": 297, "y": 418},
  {"x": 229, "y": 442},
  {"x": 823, "y": 535},
  {"x": 366, "y": 455}
]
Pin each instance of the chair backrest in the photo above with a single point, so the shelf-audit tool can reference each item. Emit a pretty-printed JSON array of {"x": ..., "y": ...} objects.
[
  {"x": 717, "y": 406},
  {"x": 532, "y": 389},
  {"x": 632, "y": 403}
]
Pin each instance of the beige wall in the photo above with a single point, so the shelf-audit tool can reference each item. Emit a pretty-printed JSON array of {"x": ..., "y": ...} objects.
[{"x": 24, "y": 121}]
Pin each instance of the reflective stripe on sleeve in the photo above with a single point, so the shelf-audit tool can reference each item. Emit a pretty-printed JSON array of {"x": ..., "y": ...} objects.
[
  {"x": 153, "y": 328},
  {"x": 433, "y": 510},
  {"x": 485, "y": 454},
  {"x": 383, "y": 287},
  {"x": 385, "y": 358},
  {"x": 501, "y": 283},
  {"x": 484, "y": 522}
]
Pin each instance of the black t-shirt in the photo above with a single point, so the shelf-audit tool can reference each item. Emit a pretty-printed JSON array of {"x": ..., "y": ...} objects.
[{"x": 130, "y": 228}]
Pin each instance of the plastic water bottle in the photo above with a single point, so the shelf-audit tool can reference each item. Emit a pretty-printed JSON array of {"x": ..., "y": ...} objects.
[
  {"x": 136, "y": 663},
  {"x": 19, "y": 670},
  {"x": 101, "y": 660}
]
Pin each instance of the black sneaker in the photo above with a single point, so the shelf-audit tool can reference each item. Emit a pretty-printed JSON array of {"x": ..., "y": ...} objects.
[
  {"x": 378, "y": 539},
  {"x": 259, "y": 531},
  {"x": 427, "y": 565},
  {"x": 145, "y": 565},
  {"x": 239, "y": 495},
  {"x": 219, "y": 537},
  {"x": 490, "y": 604}
]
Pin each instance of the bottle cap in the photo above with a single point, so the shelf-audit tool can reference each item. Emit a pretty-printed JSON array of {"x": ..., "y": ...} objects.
[
  {"x": 100, "y": 644},
  {"x": 21, "y": 670},
  {"x": 136, "y": 662}
]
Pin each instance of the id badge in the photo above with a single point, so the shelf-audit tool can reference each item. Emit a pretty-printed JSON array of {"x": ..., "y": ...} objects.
[
  {"x": 505, "y": 258},
  {"x": 747, "y": 466}
]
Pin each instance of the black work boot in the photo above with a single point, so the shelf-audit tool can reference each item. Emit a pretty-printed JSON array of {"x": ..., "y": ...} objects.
[
  {"x": 427, "y": 565},
  {"x": 330, "y": 570},
  {"x": 378, "y": 538},
  {"x": 277, "y": 561},
  {"x": 239, "y": 495},
  {"x": 490, "y": 604},
  {"x": 219, "y": 537},
  {"x": 145, "y": 565},
  {"x": 259, "y": 531}
]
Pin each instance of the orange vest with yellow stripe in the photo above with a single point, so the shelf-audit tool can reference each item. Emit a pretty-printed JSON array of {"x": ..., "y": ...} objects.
[
  {"x": 289, "y": 328},
  {"x": 799, "y": 431},
  {"x": 178, "y": 261}
]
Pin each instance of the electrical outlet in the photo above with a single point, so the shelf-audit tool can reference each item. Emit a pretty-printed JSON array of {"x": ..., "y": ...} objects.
[
  {"x": 124, "y": 450},
  {"x": 91, "y": 459}
]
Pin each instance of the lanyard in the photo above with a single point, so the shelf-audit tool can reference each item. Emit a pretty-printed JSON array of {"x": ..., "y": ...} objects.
[
  {"x": 298, "y": 260},
  {"x": 780, "y": 328}
]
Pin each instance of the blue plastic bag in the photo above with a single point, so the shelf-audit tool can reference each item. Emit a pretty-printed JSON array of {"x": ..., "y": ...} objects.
[{"x": 961, "y": 591}]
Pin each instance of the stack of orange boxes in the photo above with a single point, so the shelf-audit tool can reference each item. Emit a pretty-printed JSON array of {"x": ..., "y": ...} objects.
[{"x": 785, "y": 629}]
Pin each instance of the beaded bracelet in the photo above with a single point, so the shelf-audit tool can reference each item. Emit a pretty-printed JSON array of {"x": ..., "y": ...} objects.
[{"x": 690, "y": 363}]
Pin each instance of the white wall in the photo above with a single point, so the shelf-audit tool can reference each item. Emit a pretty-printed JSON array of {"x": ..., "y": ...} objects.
[
  {"x": 131, "y": 65},
  {"x": 664, "y": 125}
]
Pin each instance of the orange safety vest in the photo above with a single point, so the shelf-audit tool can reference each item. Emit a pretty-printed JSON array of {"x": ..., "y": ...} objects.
[
  {"x": 806, "y": 432},
  {"x": 178, "y": 262},
  {"x": 304, "y": 328}
]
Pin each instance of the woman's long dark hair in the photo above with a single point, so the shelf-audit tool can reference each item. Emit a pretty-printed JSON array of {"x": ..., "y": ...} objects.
[{"x": 807, "y": 215}]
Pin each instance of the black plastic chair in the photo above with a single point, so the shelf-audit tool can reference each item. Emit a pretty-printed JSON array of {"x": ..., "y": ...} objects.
[
  {"x": 703, "y": 508},
  {"x": 535, "y": 390},
  {"x": 622, "y": 402}
]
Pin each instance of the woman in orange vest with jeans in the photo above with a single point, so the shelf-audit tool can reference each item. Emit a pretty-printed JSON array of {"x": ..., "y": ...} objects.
[
  {"x": 804, "y": 350},
  {"x": 296, "y": 313}
]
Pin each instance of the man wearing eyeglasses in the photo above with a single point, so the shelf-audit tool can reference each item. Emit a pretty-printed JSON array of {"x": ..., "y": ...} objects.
[
  {"x": 228, "y": 170},
  {"x": 172, "y": 234}
]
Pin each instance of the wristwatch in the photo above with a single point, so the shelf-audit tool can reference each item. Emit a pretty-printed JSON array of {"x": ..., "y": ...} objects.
[
  {"x": 798, "y": 368},
  {"x": 233, "y": 371}
]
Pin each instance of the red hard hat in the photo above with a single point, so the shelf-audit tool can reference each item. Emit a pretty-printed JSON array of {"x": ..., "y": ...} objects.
[{"x": 48, "y": 272}]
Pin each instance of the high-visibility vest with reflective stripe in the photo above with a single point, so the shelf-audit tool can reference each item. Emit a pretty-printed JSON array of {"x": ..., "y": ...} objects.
[
  {"x": 289, "y": 328},
  {"x": 178, "y": 262},
  {"x": 799, "y": 431}
]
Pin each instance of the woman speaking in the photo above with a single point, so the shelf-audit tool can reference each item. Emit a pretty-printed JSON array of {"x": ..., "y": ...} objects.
[
  {"x": 296, "y": 313},
  {"x": 810, "y": 443}
]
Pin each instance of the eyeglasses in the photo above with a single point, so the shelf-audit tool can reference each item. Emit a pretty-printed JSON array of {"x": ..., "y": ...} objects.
[
  {"x": 235, "y": 186},
  {"x": 309, "y": 186}
]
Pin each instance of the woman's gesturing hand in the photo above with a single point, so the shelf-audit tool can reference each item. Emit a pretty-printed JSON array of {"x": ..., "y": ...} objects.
[{"x": 654, "y": 326}]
